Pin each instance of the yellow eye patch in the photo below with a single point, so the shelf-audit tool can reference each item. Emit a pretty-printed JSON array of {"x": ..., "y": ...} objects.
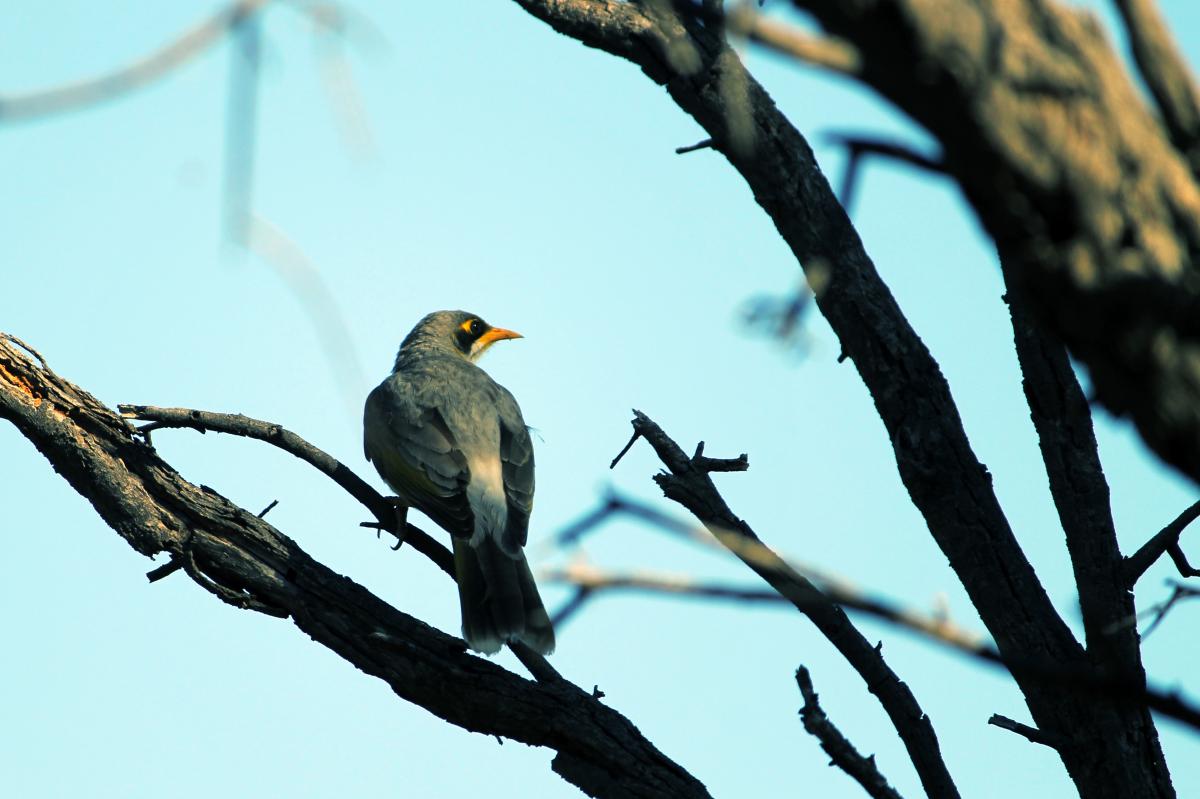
[{"x": 471, "y": 326}]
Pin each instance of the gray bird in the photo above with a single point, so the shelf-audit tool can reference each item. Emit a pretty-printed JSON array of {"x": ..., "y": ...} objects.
[{"x": 450, "y": 441}]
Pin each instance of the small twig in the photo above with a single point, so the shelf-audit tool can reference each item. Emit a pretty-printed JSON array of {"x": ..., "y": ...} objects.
[
  {"x": 841, "y": 752},
  {"x": 739, "y": 464},
  {"x": 267, "y": 509},
  {"x": 1179, "y": 592},
  {"x": 1033, "y": 734},
  {"x": 238, "y": 599},
  {"x": 590, "y": 579},
  {"x": 1162, "y": 541},
  {"x": 1181, "y": 562},
  {"x": 569, "y": 608},
  {"x": 691, "y": 148},
  {"x": 632, "y": 440},
  {"x": 237, "y": 424},
  {"x": 762, "y": 558},
  {"x": 26, "y": 347},
  {"x": 168, "y": 568},
  {"x": 858, "y": 147}
]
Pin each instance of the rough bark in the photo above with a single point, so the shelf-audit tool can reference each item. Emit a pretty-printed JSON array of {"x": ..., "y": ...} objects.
[
  {"x": 945, "y": 480},
  {"x": 246, "y": 562},
  {"x": 686, "y": 481},
  {"x": 1092, "y": 205}
]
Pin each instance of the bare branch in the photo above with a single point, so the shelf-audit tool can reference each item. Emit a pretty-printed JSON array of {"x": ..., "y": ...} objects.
[
  {"x": 156, "y": 65},
  {"x": 592, "y": 580},
  {"x": 1062, "y": 418},
  {"x": 248, "y": 562},
  {"x": 985, "y": 100},
  {"x": 277, "y": 435},
  {"x": 1045, "y": 675},
  {"x": 841, "y": 752},
  {"x": 1033, "y": 734},
  {"x": 703, "y": 144},
  {"x": 1163, "y": 541},
  {"x": 687, "y": 482},
  {"x": 1166, "y": 73},
  {"x": 826, "y": 52},
  {"x": 858, "y": 147}
]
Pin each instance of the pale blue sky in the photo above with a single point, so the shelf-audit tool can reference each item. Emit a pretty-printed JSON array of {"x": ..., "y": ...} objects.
[{"x": 526, "y": 178}]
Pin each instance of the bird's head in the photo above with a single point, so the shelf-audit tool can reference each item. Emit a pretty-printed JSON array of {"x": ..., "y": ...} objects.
[{"x": 454, "y": 332}]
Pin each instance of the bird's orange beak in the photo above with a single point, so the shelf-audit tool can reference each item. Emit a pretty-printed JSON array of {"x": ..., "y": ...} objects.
[{"x": 497, "y": 334}]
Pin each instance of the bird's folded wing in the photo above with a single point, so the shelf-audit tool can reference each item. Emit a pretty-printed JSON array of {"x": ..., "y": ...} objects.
[
  {"x": 516, "y": 457},
  {"x": 416, "y": 453}
]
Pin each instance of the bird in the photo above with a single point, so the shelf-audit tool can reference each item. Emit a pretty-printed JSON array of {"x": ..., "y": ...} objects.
[{"x": 451, "y": 442}]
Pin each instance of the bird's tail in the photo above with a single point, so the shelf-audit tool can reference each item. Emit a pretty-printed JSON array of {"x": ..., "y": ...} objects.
[{"x": 500, "y": 601}]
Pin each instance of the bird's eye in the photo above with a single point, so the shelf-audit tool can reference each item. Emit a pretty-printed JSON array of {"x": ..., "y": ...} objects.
[{"x": 474, "y": 327}]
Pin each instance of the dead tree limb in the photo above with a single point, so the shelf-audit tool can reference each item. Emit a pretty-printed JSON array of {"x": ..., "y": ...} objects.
[
  {"x": 1092, "y": 200},
  {"x": 238, "y": 425},
  {"x": 841, "y": 752},
  {"x": 1165, "y": 540},
  {"x": 944, "y": 478},
  {"x": 687, "y": 482},
  {"x": 247, "y": 562}
]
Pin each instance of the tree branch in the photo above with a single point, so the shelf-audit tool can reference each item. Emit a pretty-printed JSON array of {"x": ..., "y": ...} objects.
[
  {"x": 150, "y": 68},
  {"x": 1066, "y": 678},
  {"x": 1011, "y": 177},
  {"x": 155, "y": 510},
  {"x": 286, "y": 440},
  {"x": 1166, "y": 73},
  {"x": 1032, "y": 734},
  {"x": 858, "y": 147},
  {"x": 589, "y": 581},
  {"x": 841, "y": 752},
  {"x": 835, "y": 55},
  {"x": 1102, "y": 230},
  {"x": 688, "y": 483},
  {"x": 1063, "y": 421},
  {"x": 1165, "y": 539}
]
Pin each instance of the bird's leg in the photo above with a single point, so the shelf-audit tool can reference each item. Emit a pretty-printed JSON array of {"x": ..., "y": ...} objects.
[{"x": 401, "y": 510}]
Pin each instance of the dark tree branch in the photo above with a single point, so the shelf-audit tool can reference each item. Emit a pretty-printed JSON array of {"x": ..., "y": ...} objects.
[
  {"x": 1063, "y": 421},
  {"x": 826, "y": 52},
  {"x": 1181, "y": 562},
  {"x": 1102, "y": 231},
  {"x": 155, "y": 510},
  {"x": 1166, "y": 539},
  {"x": 858, "y": 147},
  {"x": 841, "y": 752},
  {"x": 703, "y": 144},
  {"x": 688, "y": 483},
  {"x": 945, "y": 480},
  {"x": 165, "y": 570},
  {"x": 1032, "y": 734},
  {"x": 276, "y": 435},
  {"x": 1049, "y": 675},
  {"x": 1166, "y": 74},
  {"x": 1160, "y": 611},
  {"x": 947, "y": 483}
]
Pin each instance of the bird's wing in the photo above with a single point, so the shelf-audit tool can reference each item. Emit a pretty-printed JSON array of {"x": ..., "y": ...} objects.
[
  {"x": 415, "y": 452},
  {"x": 516, "y": 457}
]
